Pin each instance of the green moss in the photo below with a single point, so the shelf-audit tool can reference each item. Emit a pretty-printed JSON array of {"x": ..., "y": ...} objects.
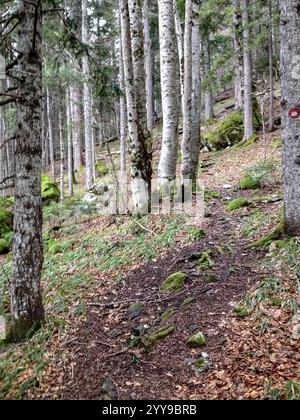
[
  {"x": 188, "y": 302},
  {"x": 211, "y": 278},
  {"x": 161, "y": 333},
  {"x": 6, "y": 221},
  {"x": 196, "y": 234},
  {"x": 249, "y": 183},
  {"x": 210, "y": 194},
  {"x": 197, "y": 340},
  {"x": 4, "y": 247},
  {"x": 54, "y": 247},
  {"x": 206, "y": 260},
  {"x": 201, "y": 363},
  {"x": 50, "y": 190},
  {"x": 167, "y": 315},
  {"x": 241, "y": 312},
  {"x": 179, "y": 158},
  {"x": 277, "y": 144},
  {"x": 239, "y": 203},
  {"x": 278, "y": 233},
  {"x": 174, "y": 282},
  {"x": 101, "y": 168}
]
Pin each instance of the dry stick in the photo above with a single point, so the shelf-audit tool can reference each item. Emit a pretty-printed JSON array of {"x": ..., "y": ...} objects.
[{"x": 144, "y": 228}]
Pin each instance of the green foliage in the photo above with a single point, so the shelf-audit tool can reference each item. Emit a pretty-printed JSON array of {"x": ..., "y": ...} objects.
[
  {"x": 239, "y": 203},
  {"x": 6, "y": 221},
  {"x": 102, "y": 168},
  {"x": 50, "y": 190},
  {"x": 258, "y": 175},
  {"x": 289, "y": 392},
  {"x": 277, "y": 233},
  {"x": 174, "y": 282},
  {"x": 4, "y": 246},
  {"x": 197, "y": 340}
]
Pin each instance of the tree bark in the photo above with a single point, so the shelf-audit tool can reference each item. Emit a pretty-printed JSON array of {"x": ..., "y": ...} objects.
[
  {"x": 87, "y": 102},
  {"x": 123, "y": 111},
  {"x": 170, "y": 106},
  {"x": 138, "y": 148},
  {"x": 148, "y": 68},
  {"x": 187, "y": 97},
  {"x": 26, "y": 298},
  {"x": 196, "y": 94},
  {"x": 238, "y": 58},
  {"x": 180, "y": 46},
  {"x": 77, "y": 131},
  {"x": 208, "y": 95},
  {"x": 248, "y": 91},
  {"x": 290, "y": 85},
  {"x": 50, "y": 136},
  {"x": 70, "y": 144},
  {"x": 271, "y": 78}
]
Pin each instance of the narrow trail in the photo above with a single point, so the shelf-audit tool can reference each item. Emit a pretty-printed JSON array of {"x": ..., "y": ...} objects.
[{"x": 98, "y": 354}]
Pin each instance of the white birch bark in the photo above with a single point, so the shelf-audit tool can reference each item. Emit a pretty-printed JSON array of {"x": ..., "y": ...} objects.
[
  {"x": 70, "y": 144},
  {"x": 196, "y": 95},
  {"x": 290, "y": 85},
  {"x": 187, "y": 97},
  {"x": 50, "y": 136},
  {"x": 87, "y": 102},
  {"x": 62, "y": 155},
  {"x": 77, "y": 122},
  {"x": 180, "y": 46},
  {"x": 139, "y": 157},
  {"x": 238, "y": 57},
  {"x": 208, "y": 95},
  {"x": 271, "y": 77},
  {"x": 123, "y": 116},
  {"x": 26, "y": 299},
  {"x": 148, "y": 68},
  {"x": 248, "y": 90},
  {"x": 170, "y": 106}
]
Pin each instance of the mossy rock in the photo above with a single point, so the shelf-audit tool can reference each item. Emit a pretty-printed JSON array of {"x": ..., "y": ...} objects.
[
  {"x": 239, "y": 203},
  {"x": 174, "y": 282},
  {"x": 249, "y": 183},
  {"x": 206, "y": 260},
  {"x": 209, "y": 194},
  {"x": 211, "y": 278},
  {"x": 135, "y": 310},
  {"x": 167, "y": 315},
  {"x": 197, "y": 340},
  {"x": 187, "y": 302},
  {"x": 50, "y": 191},
  {"x": 241, "y": 312},
  {"x": 4, "y": 246},
  {"x": 102, "y": 168},
  {"x": 6, "y": 221},
  {"x": 161, "y": 333},
  {"x": 277, "y": 234}
]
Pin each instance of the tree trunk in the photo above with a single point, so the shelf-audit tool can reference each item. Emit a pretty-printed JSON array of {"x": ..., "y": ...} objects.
[
  {"x": 77, "y": 132},
  {"x": 123, "y": 117},
  {"x": 248, "y": 99},
  {"x": 238, "y": 48},
  {"x": 148, "y": 68},
  {"x": 168, "y": 57},
  {"x": 180, "y": 42},
  {"x": 26, "y": 299},
  {"x": 87, "y": 102},
  {"x": 70, "y": 144},
  {"x": 208, "y": 95},
  {"x": 50, "y": 136},
  {"x": 271, "y": 78},
  {"x": 140, "y": 159},
  {"x": 196, "y": 95},
  {"x": 62, "y": 154},
  {"x": 290, "y": 85},
  {"x": 187, "y": 97}
]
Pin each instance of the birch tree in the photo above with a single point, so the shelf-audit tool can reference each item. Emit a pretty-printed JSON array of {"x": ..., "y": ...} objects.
[
  {"x": 87, "y": 102},
  {"x": 187, "y": 97},
  {"x": 123, "y": 117},
  {"x": 26, "y": 299},
  {"x": 168, "y": 59},
  {"x": 148, "y": 68},
  {"x": 139, "y": 155},
  {"x": 196, "y": 92},
  {"x": 248, "y": 91},
  {"x": 238, "y": 57},
  {"x": 290, "y": 85},
  {"x": 50, "y": 136}
]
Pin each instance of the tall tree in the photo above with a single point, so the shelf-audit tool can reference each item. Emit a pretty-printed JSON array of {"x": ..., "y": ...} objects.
[
  {"x": 290, "y": 85},
  {"x": 238, "y": 53},
  {"x": 170, "y": 105},
  {"x": 26, "y": 298},
  {"x": 148, "y": 67},
  {"x": 87, "y": 100},
  {"x": 248, "y": 81},
  {"x": 187, "y": 97},
  {"x": 196, "y": 91},
  {"x": 139, "y": 154}
]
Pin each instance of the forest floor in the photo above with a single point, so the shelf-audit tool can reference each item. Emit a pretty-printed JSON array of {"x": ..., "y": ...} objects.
[{"x": 104, "y": 300}]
